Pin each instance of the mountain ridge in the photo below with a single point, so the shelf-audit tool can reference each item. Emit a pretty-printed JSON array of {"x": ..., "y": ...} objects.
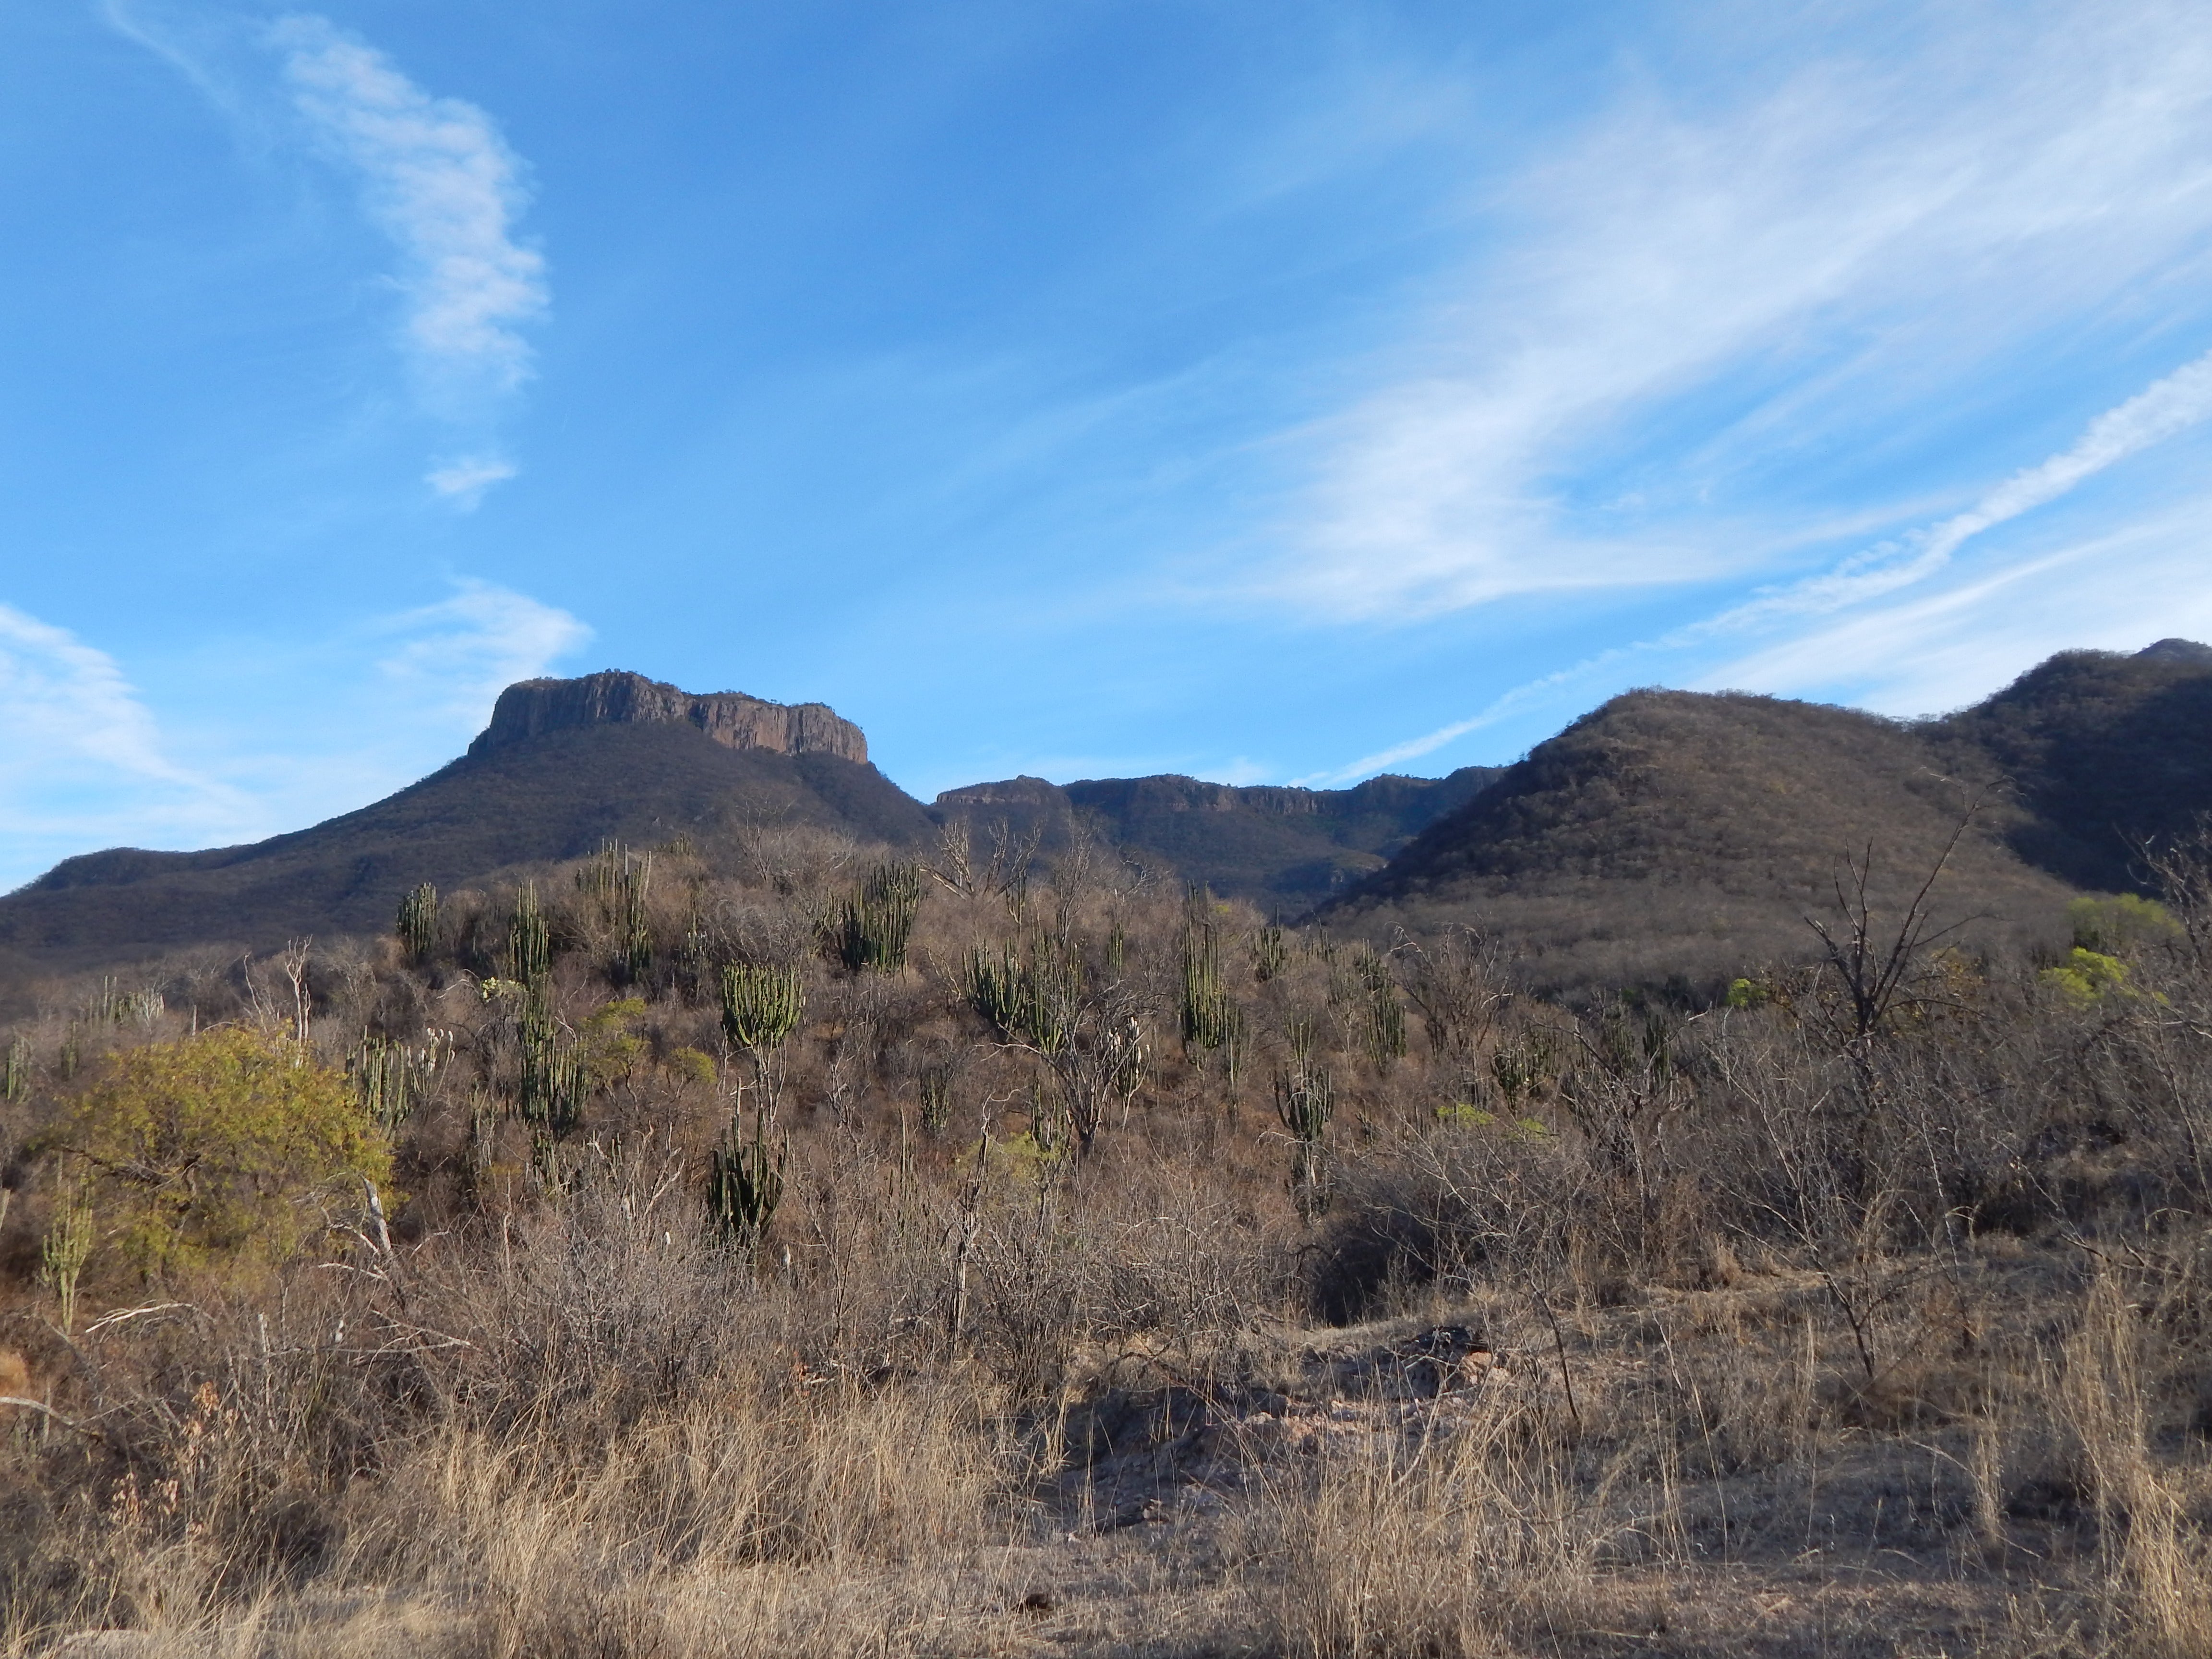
[{"x": 1667, "y": 815}]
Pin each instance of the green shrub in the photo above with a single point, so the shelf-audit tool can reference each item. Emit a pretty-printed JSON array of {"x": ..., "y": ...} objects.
[{"x": 219, "y": 1146}]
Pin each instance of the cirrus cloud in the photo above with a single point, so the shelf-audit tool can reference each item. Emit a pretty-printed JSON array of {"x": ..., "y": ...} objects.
[{"x": 442, "y": 182}]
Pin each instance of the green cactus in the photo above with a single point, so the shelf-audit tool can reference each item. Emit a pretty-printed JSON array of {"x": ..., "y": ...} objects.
[
  {"x": 553, "y": 1083},
  {"x": 65, "y": 1249},
  {"x": 870, "y": 928},
  {"x": 418, "y": 923},
  {"x": 1269, "y": 951},
  {"x": 1031, "y": 998},
  {"x": 619, "y": 884},
  {"x": 389, "y": 1078},
  {"x": 15, "y": 1069},
  {"x": 933, "y": 1083},
  {"x": 1207, "y": 1012},
  {"x": 1380, "y": 1012},
  {"x": 760, "y": 1006},
  {"x": 382, "y": 1081},
  {"x": 529, "y": 941},
  {"x": 744, "y": 1181},
  {"x": 1306, "y": 1099}
]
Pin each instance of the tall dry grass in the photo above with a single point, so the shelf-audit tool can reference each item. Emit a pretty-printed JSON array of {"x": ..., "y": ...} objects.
[{"x": 1795, "y": 1344}]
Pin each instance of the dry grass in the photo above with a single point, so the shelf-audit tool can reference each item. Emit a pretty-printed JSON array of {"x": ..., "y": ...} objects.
[{"x": 1621, "y": 1334}]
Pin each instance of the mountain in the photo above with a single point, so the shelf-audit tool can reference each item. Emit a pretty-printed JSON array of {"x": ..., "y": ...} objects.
[
  {"x": 563, "y": 766},
  {"x": 2108, "y": 752},
  {"x": 1665, "y": 836},
  {"x": 1283, "y": 849},
  {"x": 1671, "y": 835},
  {"x": 1679, "y": 837}
]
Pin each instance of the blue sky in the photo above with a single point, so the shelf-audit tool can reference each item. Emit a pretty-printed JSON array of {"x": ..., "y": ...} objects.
[{"x": 1271, "y": 392}]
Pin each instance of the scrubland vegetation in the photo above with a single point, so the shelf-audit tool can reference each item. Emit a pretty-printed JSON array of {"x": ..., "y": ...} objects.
[{"x": 847, "y": 1255}]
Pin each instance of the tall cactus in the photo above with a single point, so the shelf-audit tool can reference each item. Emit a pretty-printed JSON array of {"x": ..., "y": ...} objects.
[
  {"x": 1207, "y": 1012},
  {"x": 1031, "y": 996},
  {"x": 418, "y": 923},
  {"x": 15, "y": 1069},
  {"x": 934, "y": 1084},
  {"x": 553, "y": 1083},
  {"x": 871, "y": 928},
  {"x": 760, "y": 1006},
  {"x": 744, "y": 1181},
  {"x": 389, "y": 1078},
  {"x": 529, "y": 941},
  {"x": 1269, "y": 951},
  {"x": 618, "y": 882},
  {"x": 1305, "y": 1098}
]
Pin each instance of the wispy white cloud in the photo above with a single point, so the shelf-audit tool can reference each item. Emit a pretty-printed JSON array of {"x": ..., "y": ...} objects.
[
  {"x": 460, "y": 653},
  {"x": 465, "y": 481},
  {"x": 2161, "y": 411},
  {"x": 1904, "y": 644},
  {"x": 443, "y": 184},
  {"x": 1924, "y": 652},
  {"x": 1853, "y": 246},
  {"x": 62, "y": 699},
  {"x": 84, "y": 764}
]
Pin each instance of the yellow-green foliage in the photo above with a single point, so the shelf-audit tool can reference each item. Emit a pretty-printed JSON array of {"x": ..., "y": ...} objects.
[
  {"x": 2118, "y": 923},
  {"x": 611, "y": 1049},
  {"x": 2088, "y": 977},
  {"x": 692, "y": 1066},
  {"x": 219, "y": 1146}
]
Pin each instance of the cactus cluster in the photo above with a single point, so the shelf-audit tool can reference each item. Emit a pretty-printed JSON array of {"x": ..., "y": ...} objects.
[
  {"x": 869, "y": 928},
  {"x": 933, "y": 1084},
  {"x": 65, "y": 1249},
  {"x": 553, "y": 1083},
  {"x": 113, "y": 1006},
  {"x": 1029, "y": 997},
  {"x": 1209, "y": 1016},
  {"x": 619, "y": 882},
  {"x": 760, "y": 1006},
  {"x": 389, "y": 1078},
  {"x": 529, "y": 940},
  {"x": 1306, "y": 1099},
  {"x": 417, "y": 926},
  {"x": 15, "y": 1069},
  {"x": 744, "y": 1181},
  {"x": 1269, "y": 951},
  {"x": 1367, "y": 990}
]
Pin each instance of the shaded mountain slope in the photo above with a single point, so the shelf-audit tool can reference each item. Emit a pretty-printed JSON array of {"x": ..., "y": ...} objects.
[
  {"x": 2108, "y": 752},
  {"x": 1677, "y": 835},
  {"x": 1279, "y": 848},
  {"x": 557, "y": 795}
]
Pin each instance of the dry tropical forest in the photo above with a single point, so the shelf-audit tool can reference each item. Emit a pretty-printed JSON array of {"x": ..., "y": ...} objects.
[{"x": 1735, "y": 1182}]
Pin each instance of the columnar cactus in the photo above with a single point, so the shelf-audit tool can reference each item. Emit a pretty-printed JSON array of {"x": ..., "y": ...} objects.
[
  {"x": 418, "y": 923},
  {"x": 745, "y": 1182},
  {"x": 760, "y": 1006},
  {"x": 871, "y": 925},
  {"x": 1305, "y": 1098},
  {"x": 529, "y": 941},
  {"x": 1208, "y": 1015}
]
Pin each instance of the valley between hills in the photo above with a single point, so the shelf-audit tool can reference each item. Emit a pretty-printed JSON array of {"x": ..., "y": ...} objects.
[{"x": 1733, "y": 1181}]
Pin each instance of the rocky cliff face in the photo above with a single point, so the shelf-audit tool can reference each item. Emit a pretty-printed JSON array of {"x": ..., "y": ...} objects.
[{"x": 730, "y": 718}]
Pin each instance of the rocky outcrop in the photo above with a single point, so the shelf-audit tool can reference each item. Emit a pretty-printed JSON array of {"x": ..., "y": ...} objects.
[{"x": 730, "y": 718}]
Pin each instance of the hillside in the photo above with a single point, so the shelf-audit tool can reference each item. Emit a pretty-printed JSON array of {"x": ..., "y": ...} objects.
[
  {"x": 536, "y": 787},
  {"x": 1665, "y": 836},
  {"x": 564, "y": 765},
  {"x": 1281, "y": 848},
  {"x": 2108, "y": 752},
  {"x": 1671, "y": 835}
]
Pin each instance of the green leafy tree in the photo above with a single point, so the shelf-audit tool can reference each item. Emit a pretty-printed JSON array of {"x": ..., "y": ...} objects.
[{"x": 220, "y": 1147}]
